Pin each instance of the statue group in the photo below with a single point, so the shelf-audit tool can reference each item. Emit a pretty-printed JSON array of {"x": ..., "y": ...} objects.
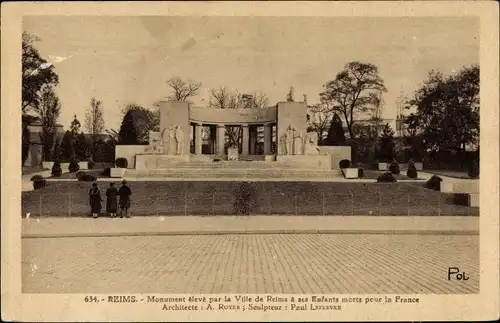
[
  {"x": 294, "y": 142},
  {"x": 169, "y": 142}
]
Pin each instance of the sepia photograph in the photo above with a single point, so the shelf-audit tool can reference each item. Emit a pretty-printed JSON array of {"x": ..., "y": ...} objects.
[{"x": 266, "y": 157}]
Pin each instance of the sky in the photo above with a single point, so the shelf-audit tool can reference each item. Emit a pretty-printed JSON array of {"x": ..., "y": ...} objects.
[{"x": 121, "y": 60}]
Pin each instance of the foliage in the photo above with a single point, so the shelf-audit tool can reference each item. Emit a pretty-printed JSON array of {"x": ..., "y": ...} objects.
[
  {"x": 36, "y": 73},
  {"x": 181, "y": 90},
  {"x": 106, "y": 172},
  {"x": 26, "y": 137},
  {"x": 361, "y": 173},
  {"x": 94, "y": 121},
  {"x": 289, "y": 95},
  {"x": 446, "y": 110},
  {"x": 90, "y": 164},
  {"x": 386, "y": 178},
  {"x": 104, "y": 151},
  {"x": 344, "y": 163},
  {"x": 386, "y": 144},
  {"x": 35, "y": 178},
  {"x": 73, "y": 165},
  {"x": 75, "y": 126},
  {"x": 336, "y": 135},
  {"x": 38, "y": 184},
  {"x": 57, "y": 152},
  {"x": 474, "y": 169},
  {"x": 319, "y": 120},
  {"x": 412, "y": 171},
  {"x": 67, "y": 147},
  {"x": 144, "y": 121},
  {"x": 56, "y": 168},
  {"x": 434, "y": 183},
  {"x": 85, "y": 177},
  {"x": 81, "y": 146},
  {"x": 121, "y": 162},
  {"x": 352, "y": 91},
  {"x": 128, "y": 132},
  {"x": 48, "y": 110},
  {"x": 394, "y": 168},
  {"x": 461, "y": 199}
]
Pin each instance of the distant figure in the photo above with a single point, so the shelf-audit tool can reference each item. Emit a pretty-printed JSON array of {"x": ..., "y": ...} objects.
[
  {"x": 124, "y": 192},
  {"x": 95, "y": 200},
  {"x": 111, "y": 200}
]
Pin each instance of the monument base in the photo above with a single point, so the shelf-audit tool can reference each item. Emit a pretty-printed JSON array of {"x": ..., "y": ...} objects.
[
  {"x": 306, "y": 161},
  {"x": 154, "y": 161}
]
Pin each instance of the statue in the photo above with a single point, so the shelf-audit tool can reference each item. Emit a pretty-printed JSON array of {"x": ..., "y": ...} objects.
[
  {"x": 179, "y": 139},
  {"x": 311, "y": 144},
  {"x": 298, "y": 144},
  {"x": 289, "y": 140},
  {"x": 155, "y": 143}
]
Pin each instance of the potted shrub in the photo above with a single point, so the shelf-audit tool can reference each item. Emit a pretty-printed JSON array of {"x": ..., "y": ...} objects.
[
  {"x": 90, "y": 164},
  {"x": 38, "y": 182},
  {"x": 121, "y": 165},
  {"x": 73, "y": 165},
  {"x": 382, "y": 165},
  {"x": 394, "y": 168},
  {"x": 347, "y": 170},
  {"x": 56, "y": 169},
  {"x": 47, "y": 164},
  {"x": 412, "y": 170}
]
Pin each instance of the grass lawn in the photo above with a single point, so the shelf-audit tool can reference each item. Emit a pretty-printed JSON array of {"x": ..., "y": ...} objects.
[
  {"x": 223, "y": 198},
  {"x": 450, "y": 173},
  {"x": 374, "y": 174}
]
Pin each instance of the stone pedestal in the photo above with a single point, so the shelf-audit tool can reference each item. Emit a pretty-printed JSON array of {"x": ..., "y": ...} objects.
[
  {"x": 245, "y": 140},
  {"x": 197, "y": 138},
  {"x": 232, "y": 153},
  {"x": 220, "y": 141},
  {"x": 268, "y": 137}
]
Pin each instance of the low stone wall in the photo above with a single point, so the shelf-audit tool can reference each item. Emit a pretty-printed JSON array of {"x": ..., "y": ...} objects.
[
  {"x": 464, "y": 186},
  {"x": 336, "y": 153},
  {"x": 145, "y": 161},
  {"x": 129, "y": 152}
]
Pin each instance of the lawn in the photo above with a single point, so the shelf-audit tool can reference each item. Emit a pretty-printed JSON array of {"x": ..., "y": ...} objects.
[{"x": 229, "y": 198}]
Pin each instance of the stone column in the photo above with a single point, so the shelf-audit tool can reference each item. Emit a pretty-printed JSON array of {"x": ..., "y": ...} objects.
[
  {"x": 197, "y": 138},
  {"x": 245, "y": 140},
  {"x": 268, "y": 137},
  {"x": 220, "y": 141},
  {"x": 253, "y": 139}
]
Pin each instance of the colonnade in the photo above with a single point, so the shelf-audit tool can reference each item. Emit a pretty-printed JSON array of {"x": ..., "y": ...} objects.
[{"x": 249, "y": 138}]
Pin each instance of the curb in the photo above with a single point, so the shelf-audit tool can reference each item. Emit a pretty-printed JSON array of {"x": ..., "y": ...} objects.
[{"x": 242, "y": 232}]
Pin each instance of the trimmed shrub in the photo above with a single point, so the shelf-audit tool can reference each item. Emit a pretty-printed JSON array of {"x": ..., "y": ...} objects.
[
  {"x": 79, "y": 173},
  {"x": 394, "y": 168},
  {"x": 217, "y": 160},
  {"x": 121, "y": 162},
  {"x": 90, "y": 164},
  {"x": 386, "y": 178},
  {"x": 56, "y": 168},
  {"x": 361, "y": 173},
  {"x": 106, "y": 172},
  {"x": 73, "y": 165},
  {"x": 85, "y": 177},
  {"x": 412, "y": 171},
  {"x": 344, "y": 163},
  {"x": 434, "y": 183},
  {"x": 474, "y": 169},
  {"x": 38, "y": 182}
]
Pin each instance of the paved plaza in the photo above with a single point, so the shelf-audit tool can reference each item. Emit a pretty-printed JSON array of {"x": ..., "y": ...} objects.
[{"x": 251, "y": 263}]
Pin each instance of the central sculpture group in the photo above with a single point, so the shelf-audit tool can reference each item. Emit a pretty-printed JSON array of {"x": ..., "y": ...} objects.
[{"x": 169, "y": 142}]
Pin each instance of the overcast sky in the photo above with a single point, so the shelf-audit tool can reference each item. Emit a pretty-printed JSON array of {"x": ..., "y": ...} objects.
[{"x": 121, "y": 60}]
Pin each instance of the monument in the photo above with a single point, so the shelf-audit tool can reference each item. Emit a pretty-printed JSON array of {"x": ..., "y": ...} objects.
[{"x": 275, "y": 134}]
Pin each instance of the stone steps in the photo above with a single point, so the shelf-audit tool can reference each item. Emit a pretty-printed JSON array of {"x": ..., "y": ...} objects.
[{"x": 235, "y": 165}]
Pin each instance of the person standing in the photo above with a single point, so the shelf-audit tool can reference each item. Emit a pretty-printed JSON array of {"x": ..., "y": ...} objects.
[
  {"x": 124, "y": 192},
  {"x": 111, "y": 200},
  {"x": 95, "y": 200}
]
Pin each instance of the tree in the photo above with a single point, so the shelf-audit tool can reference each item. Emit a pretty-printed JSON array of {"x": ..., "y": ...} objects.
[
  {"x": 181, "y": 90},
  {"x": 36, "y": 73},
  {"x": 49, "y": 111},
  {"x": 289, "y": 95},
  {"x": 336, "y": 135},
  {"x": 318, "y": 120},
  {"x": 94, "y": 122},
  {"x": 352, "y": 91},
  {"x": 75, "y": 126},
  {"x": 67, "y": 146},
  {"x": 81, "y": 146},
  {"x": 447, "y": 110},
  {"x": 386, "y": 144},
  {"x": 144, "y": 120},
  {"x": 128, "y": 132}
]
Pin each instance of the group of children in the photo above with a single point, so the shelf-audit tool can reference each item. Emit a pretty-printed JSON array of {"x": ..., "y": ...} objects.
[{"x": 114, "y": 198}]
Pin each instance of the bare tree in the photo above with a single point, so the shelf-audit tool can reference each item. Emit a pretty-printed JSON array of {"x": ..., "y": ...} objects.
[
  {"x": 319, "y": 119},
  {"x": 351, "y": 92},
  {"x": 181, "y": 90},
  {"x": 94, "y": 121},
  {"x": 49, "y": 109}
]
